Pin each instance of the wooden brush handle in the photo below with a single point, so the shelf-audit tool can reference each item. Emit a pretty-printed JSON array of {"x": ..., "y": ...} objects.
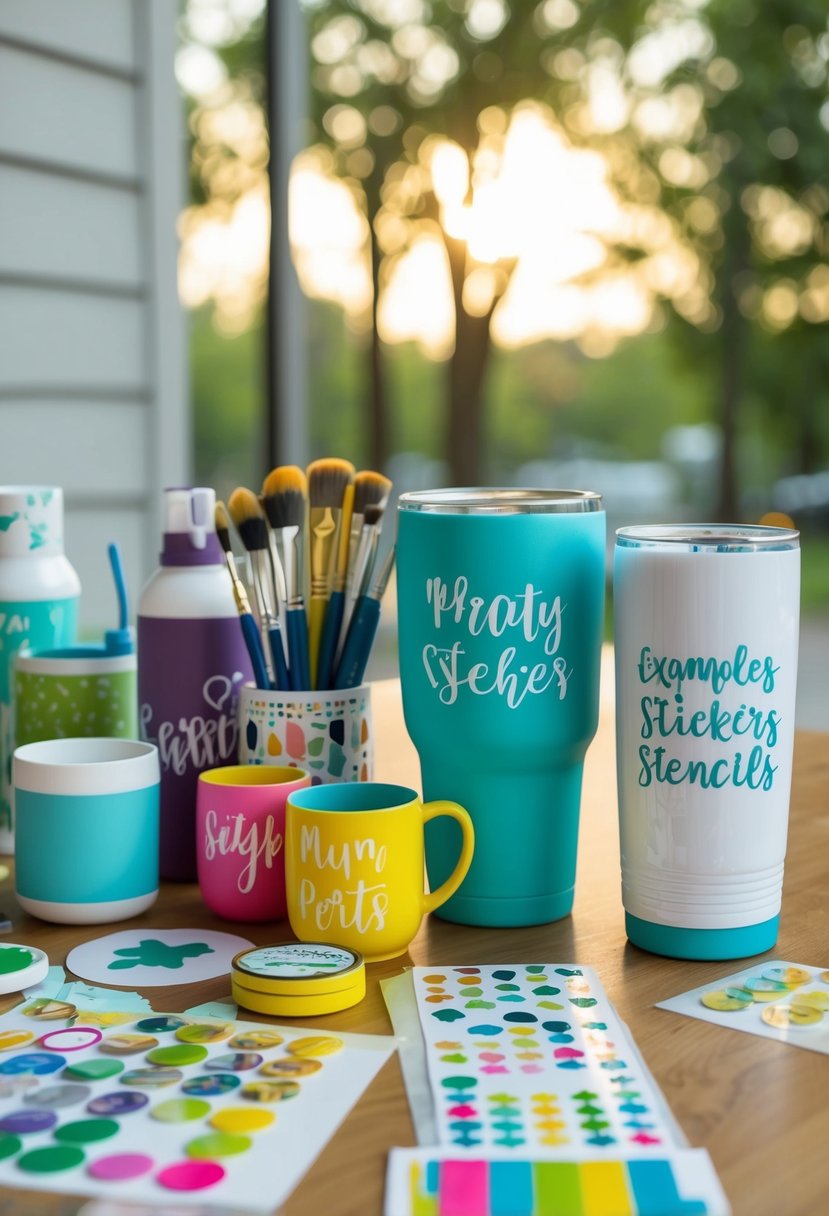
[{"x": 316, "y": 618}]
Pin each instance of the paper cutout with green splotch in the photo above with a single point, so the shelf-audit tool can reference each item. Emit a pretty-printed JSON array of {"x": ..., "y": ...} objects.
[{"x": 152, "y": 953}]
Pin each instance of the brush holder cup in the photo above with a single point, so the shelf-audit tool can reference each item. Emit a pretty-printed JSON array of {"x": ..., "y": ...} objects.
[{"x": 327, "y": 733}]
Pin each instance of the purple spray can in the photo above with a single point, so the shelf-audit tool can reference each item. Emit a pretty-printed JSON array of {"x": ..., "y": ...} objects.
[{"x": 192, "y": 661}]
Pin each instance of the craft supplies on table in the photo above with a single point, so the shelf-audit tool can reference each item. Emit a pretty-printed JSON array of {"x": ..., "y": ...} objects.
[
  {"x": 787, "y": 1002},
  {"x": 167, "y": 1110},
  {"x": 298, "y": 979}
]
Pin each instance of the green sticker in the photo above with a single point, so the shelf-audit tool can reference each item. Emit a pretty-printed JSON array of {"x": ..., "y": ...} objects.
[
  {"x": 93, "y": 1070},
  {"x": 180, "y": 1053},
  {"x": 9, "y": 1145},
  {"x": 86, "y": 1131},
  {"x": 217, "y": 1144},
  {"x": 180, "y": 1110},
  {"x": 51, "y": 1159}
]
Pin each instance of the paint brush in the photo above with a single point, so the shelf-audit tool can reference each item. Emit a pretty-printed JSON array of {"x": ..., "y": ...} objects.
[
  {"x": 369, "y": 489},
  {"x": 250, "y": 631},
  {"x": 329, "y": 643},
  {"x": 327, "y": 481},
  {"x": 363, "y": 563},
  {"x": 252, "y": 527},
  {"x": 285, "y": 503},
  {"x": 362, "y": 629}
]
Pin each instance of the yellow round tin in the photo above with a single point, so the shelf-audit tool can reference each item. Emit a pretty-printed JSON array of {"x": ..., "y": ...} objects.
[{"x": 298, "y": 979}]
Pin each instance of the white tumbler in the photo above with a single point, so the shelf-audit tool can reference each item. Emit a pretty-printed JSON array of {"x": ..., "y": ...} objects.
[{"x": 706, "y": 625}]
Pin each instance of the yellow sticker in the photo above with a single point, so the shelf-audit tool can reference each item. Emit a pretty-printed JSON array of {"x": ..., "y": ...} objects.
[
  {"x": 522, "y": 1030},
  {"x": 288, "y": 1067},
  {"x": 242, "y": 1119},
  {"x": 812, "y": 1000},
  {"x": 784, "y": 1017},
  {"x": 256, "y": 1040},
  {"x": 315, "y": 1045},
  {"x": 824, "y": 976},
  {"x": 204, "y": 1032},
  {"x": 726, "y": 1000},
  {"x": 9, "y": 1039},
  {"x": 47, "y": 1010}
]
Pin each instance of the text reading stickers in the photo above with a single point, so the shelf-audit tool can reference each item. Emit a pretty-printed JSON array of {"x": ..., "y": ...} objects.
[
  {"x": 533, "y": 1056},
  {"x": 788, "y": 1002},
  {"x": 181, "y": 1110}
]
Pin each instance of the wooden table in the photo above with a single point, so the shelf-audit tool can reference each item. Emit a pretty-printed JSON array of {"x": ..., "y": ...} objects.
[{"x": 761, "y": 1108}]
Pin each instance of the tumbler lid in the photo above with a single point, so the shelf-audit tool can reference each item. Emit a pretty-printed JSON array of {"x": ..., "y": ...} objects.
[
  {"x": 484, "y": 500},
  {"x": 709, "y": 538},
  {"x": 31, "y": 521}
]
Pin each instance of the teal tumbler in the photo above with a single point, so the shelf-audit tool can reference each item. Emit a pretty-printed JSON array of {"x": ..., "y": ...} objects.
[{"x": 500, "y": 600}]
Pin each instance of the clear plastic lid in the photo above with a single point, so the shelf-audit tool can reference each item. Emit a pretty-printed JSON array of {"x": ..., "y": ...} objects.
[
  {"x": 708, "y": 538},
  {"x": 483, "y": 500}
]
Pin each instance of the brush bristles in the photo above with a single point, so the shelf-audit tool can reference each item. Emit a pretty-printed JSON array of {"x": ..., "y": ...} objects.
[
  {"x": 373, "y": 513},
  {"x": 221, "y": 520},
  {"x": 246, "y": 514},
  {"x": 369, "y": 488},
  {"x": 327, "y": 480},
  {"x": 284, "y": 497}
]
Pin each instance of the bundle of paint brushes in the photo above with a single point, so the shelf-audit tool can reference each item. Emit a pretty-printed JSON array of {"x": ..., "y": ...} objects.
[{"x": 311, "y": 540}]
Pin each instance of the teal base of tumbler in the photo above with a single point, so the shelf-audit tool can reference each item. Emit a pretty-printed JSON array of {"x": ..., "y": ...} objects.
[
  {"x": 507, "y": 913},
  {"x": 702, "y": 944}
]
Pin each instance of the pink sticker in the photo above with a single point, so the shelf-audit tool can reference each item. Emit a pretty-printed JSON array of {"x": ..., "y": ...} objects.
[
  {"x": 567, "y": 1053},
  {"x": 492, "y": 1069},
  {"x": 531, "y": 1068},
  {"x": 74, "y": 1038},
  {"x": 191, "y": 1175},
  {"x": 120, "y": 1167},
  {"x": 463, "y": 1111},
  {"x": 491, "y": 1057}
]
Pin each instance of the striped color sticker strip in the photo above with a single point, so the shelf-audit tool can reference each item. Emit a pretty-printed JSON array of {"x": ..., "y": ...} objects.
[{"x": 426, "y": 1182}]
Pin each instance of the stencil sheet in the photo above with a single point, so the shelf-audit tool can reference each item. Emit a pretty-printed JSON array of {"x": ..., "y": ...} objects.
[{"x": 532, "y": 1056}]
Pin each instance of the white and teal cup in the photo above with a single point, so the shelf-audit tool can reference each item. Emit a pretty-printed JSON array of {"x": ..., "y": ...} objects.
[{"x": 86, "y": 829}]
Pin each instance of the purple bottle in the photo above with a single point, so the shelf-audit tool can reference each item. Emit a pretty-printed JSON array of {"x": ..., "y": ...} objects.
[{"x": 192, "y": 661}]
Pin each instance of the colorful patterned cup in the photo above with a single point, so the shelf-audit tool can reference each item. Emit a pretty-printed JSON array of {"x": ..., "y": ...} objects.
[
  {"x": 329, "y": 734},
  {"x": 78, "y": 691},
  {"x": 354, "y": 865},
  {"x": 706, "y": 622},
  {"x": 86, "y": 829},
  {"x": 500, "y": 598},
  {"x": 240, "y": 831}
]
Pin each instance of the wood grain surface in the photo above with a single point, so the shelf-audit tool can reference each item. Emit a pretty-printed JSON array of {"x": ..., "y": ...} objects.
[{"x": 759, "y": 1107}]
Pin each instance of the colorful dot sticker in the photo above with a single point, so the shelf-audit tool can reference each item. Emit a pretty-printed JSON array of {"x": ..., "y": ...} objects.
[
  {"x": 152, "y": 1078},
  {"x": 9, "y": 1145},
  {"x": 786, "y": 1017},
  {"x": 184, "y": 1053},
  {"x": 240, "y": 1061},
  {"x": 55, "y": 1096},
  {"x": 74, "y": 1038},
  {"x": 217, "y": 1144},
  {"x": 726, "y": 1000},
  {"x": 10, "y": 1086},
  {"x": 180, "y": 1110},
  {"x": 204, "y": 1032},
  {"x": 191, "y": 1175},
  {"x": 288, "y": 1067},
  {"x": 47, "y": 1011},
  {"x": 238, "y": 1119},
  {"x": 93, "y": 1070},
  {"x": 256, "y": 1040},
  {"x": 121, "y": 1167},
  {"x": 12, "y": 1039},
  {"x": 127, "y": 1044},
  {"x": 817, "y": 1000},
  {"x": 51, "y": 1160},
  {"x": 86, "y": 1131},
  {"x": 270, "y": 1091},
  {"x": 756, "y": 983},
  {"x": 211, "y": 1086},
  {"x": 315, "y": 1045},
  {"x": 123, "y": 1102},
  {"x": 790, "y": 976},
  {"x": 27, "y": 1122},
  {"x": 159, "y": 1025},
  {"x": 34, "y": 1062}
]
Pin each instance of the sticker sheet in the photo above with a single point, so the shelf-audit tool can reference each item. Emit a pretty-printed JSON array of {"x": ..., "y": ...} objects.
[
  {"x": 168, "y": 1109},
  {"x": 532, "y": 1056},
  {"x": 788, "y": 1002},
  {"x": 431, "y": 1182}
]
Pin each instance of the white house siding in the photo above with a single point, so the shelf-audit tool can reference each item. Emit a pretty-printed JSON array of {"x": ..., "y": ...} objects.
[{"x": 93, "y": 390}]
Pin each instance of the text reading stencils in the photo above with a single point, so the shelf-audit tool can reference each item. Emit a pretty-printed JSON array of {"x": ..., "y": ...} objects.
[{"x": 533, "y": 1056}]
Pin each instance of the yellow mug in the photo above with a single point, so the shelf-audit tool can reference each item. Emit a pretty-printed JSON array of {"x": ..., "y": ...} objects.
[{"x": 354, "y": 865}]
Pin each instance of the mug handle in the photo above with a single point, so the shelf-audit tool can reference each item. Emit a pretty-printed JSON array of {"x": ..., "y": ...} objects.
[{"x": 431, "y": 810}]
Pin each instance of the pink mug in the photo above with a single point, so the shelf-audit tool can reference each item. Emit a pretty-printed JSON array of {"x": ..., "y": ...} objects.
[{"x": 240, "y": 834}]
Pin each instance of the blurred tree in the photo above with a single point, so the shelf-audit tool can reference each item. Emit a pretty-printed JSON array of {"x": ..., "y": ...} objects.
[{"x": 728, "y": 103}]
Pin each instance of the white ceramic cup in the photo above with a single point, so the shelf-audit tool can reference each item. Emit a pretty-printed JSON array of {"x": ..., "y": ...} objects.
[{"x": 86, "y": 829}]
